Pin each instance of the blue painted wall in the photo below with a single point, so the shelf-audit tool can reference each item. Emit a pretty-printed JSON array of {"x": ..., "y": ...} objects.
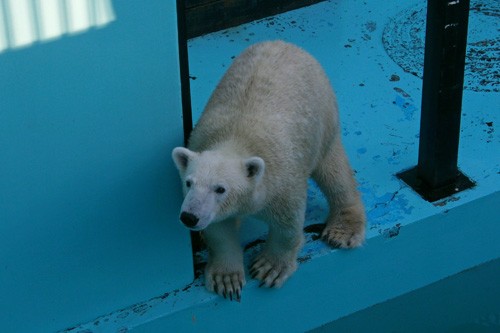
[{"x": 88, "y": 195}]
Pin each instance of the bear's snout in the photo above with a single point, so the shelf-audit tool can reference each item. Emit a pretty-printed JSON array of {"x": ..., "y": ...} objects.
[{"x": 189, "y": 220}]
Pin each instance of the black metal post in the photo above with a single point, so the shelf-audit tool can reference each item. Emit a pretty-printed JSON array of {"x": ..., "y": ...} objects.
[
  {"x": 184, "y": 70},
  {"x": 437, "y": 175},
  {"x": 187, "y": 117}
]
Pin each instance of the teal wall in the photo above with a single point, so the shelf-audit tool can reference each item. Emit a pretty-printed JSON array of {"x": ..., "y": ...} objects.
[{"x": 88, "y": 194}]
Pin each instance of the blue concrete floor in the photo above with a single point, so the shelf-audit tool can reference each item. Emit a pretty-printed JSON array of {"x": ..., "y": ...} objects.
[
  {"x": 370, "y": 53},
  {"x": 373, "y": 54}
]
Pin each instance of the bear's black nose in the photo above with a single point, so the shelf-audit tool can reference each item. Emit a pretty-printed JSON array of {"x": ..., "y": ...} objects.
[{"x": 189, "y": 219}]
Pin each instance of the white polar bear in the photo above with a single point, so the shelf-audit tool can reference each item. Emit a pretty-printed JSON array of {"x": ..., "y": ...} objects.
[{"x": 270, "y": 124}]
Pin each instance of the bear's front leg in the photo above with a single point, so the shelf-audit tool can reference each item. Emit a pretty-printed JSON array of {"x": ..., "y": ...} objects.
[
  {"x": 278, "y": 260},
  {"x": 224, "y": 273}
]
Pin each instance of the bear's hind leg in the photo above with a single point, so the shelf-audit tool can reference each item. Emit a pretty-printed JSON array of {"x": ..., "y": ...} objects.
[
  {"x": 224, "y": 273},
  {"x": 345, "y": 225}
]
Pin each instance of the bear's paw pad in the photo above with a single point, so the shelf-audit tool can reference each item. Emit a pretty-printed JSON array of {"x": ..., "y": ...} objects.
[{"x": 271, "y": 271}]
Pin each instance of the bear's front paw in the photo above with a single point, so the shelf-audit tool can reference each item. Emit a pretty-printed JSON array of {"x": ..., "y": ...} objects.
[
  {"x": 225, "y": 282},
  {"x": 272, "y": 271}
]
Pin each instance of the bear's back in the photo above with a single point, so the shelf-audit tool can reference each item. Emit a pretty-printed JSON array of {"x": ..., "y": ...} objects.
[{"x": 276, "y": 102}]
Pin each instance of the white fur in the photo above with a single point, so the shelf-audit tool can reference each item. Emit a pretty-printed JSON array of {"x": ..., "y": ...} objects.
[{"x": 271, "y": 123}]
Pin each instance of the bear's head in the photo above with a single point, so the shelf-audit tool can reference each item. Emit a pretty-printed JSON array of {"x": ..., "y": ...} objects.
[{"x": 216, "y": 186}]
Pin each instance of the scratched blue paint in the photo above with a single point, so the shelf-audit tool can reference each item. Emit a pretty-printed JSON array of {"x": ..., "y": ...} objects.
[
  {"x": 361, "y": 151},
  {"x": 317, "y": 207},
  {"x": 389, "y": 208},
  {"x": 406, "y": 106}
]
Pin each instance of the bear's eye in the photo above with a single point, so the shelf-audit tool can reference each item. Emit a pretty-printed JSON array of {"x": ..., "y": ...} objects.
[
  {"x": 188, "y": 183},
  {"x": 220, "y": 190}
]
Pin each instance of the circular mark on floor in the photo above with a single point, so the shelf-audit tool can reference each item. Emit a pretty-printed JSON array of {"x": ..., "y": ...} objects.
[{"x": 404, "y": 41}]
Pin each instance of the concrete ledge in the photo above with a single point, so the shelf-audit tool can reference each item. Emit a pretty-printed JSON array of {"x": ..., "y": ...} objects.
[
  {"x": 463, "y": 303},
  {"x": 344, "y": 282}
]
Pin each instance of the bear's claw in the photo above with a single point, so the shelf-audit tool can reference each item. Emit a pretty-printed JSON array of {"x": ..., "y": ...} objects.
[
  {"x": 226, "y": 285},
  {"x": 272, "y": 272}
]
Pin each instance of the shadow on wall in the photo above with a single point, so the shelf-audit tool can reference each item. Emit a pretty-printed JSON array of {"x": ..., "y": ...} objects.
[{"x": 25, "y": 22}]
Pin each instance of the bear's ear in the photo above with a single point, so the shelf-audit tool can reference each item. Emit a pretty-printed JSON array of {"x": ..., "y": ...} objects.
[
  {"x": 255, "y": 167},
  {"x": 181, "y": 157}
]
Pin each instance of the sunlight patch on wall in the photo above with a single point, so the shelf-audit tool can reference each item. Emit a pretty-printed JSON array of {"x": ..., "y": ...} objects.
[{"x": 25, "y": 22}]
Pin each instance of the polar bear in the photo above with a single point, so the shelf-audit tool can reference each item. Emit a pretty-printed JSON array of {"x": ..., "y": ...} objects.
[{"x": 270, "y": 124}]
